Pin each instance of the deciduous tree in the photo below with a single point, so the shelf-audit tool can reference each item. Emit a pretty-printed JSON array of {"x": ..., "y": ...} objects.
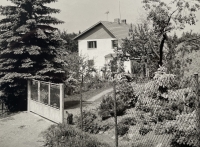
[{"x": 169, "y": 16}]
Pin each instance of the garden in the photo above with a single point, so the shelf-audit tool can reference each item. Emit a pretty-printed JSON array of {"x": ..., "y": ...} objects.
[{"x": 161, "y": 112}]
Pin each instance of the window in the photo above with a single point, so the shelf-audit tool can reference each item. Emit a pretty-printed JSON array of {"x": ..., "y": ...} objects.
[
  {"x": 92, "y": 44},
  {"x": 114, "y": 43}
]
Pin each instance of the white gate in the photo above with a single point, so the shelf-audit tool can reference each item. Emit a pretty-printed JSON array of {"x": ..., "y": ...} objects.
[{"x": 46, "y": 99}]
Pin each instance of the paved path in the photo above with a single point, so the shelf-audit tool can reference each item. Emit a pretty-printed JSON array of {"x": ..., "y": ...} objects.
[
  {"x": 96, "y": 97},
  {"x": 22, "y": 130},
  {"x": 88, "y": 103}
]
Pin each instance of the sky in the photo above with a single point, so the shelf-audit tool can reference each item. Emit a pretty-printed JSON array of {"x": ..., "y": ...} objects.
[{"x": 79, "y": 15}]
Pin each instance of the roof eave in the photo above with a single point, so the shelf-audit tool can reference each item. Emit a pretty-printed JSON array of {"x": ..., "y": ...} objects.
[{"x": 100, "y": 22}]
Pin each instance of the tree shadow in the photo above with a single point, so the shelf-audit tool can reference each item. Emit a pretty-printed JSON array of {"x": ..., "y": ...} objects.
[{"x": 75, "y": 104}]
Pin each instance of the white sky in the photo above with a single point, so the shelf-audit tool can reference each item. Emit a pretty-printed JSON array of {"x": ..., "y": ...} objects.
[{"x": 82, "y": 14}]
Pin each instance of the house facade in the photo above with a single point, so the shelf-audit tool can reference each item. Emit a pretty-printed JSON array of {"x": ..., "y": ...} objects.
[{"x": 98, "y": 42}]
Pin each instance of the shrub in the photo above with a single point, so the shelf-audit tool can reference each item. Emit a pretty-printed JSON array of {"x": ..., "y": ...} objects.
[
  {"x": 129, "y": 121},
  {"x": 62, "y": 135},
  {"x": 104, "y": 126},
  {"x": 143, "y": 107},
  {"x": 92, "y": 124},
  {"x": 89, "y": 123},
  {"x": 125, "y": 92},
  {"x": 165, "y": 114},
  {"x": 122, "y": 129},
  {"x": 106, "y": 108},
  {"x": 145, "y": 129},
  {"x": 167, "y": 127},
  {"x": 185, "y": 129}
]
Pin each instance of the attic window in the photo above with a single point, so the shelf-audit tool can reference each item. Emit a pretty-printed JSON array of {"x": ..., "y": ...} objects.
[
  {"x": 114, "y": 44},
  {"x": 92, "y": 44}
]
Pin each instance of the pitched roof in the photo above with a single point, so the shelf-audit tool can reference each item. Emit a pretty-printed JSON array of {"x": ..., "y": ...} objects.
[{"x": 118, "y": 30}]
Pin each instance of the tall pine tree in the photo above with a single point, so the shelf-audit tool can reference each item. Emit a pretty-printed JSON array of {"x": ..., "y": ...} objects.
[{"x": 28, "y": 49}]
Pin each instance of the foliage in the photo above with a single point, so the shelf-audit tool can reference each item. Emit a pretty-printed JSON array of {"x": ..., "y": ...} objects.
[
  {"x": 186, "y": 133},
  {"x": 125, "y": 93},
  {"x": 168, "y": 16},
  {"x": 62, "y": 135},
  {"x": 142, "y": 46},
  {"x": 172, "y": 105},
  {"x": 183, "y": 128},
  {"x": 129, "y": 121},
  {"x": 145, "y": 129},
  {"x": 30, "y": 48},
  {"x": 79, "y": 71},
  {"x": 91, "y": 123},
  {"x": 162, "y": 98},
  {"x": 70, "y": 44},
  {"x": 106, "y": 108},
  {"x": 165, "y": 114},
  {"x": 143, "y": 143},
  {"x": 122, "y": 129}
]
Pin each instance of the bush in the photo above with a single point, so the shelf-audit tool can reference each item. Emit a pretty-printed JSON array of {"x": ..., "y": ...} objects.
[
  {"x": 185, "y": 130},
  {"x": 125, "y": 92},
  {"x": 145, "y": 129},
  {"x": 165, "y": 114},
  {"x": 122, "y": 129},
  {"x": 106, "y": 108},
  {"x": 143, "y": 107},
  {"x": 89, "y": 124},
  {"x": 92, "y": 124},
  {"x": 129, "y": 121},
  {"x": 62, "y": 135}
]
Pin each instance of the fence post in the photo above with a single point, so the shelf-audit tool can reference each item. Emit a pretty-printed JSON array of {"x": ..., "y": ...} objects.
[
  {"x": 197, "y": 107},
  {"x": 39, "y": 91},
  {"x": 28, "y": 95},
  {"x": 49, "y": 94},
  {"x": 115, "y": 114},
  {"x": 61, "y": 103}
]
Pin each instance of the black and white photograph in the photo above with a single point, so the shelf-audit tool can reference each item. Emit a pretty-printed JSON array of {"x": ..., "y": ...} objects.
[{"x": 99, "y": 73}]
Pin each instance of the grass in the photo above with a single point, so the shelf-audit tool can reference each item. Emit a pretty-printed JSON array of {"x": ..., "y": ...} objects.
[{"x": 74, "y": 100}]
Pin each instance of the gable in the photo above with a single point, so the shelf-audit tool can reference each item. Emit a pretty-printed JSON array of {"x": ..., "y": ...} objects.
[{"x": 97, "y": 32}]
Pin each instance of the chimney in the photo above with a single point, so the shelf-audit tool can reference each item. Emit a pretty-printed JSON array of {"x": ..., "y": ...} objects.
[
  {"x": 124, "y": 21},
  {"x": 117, "y": 20}
]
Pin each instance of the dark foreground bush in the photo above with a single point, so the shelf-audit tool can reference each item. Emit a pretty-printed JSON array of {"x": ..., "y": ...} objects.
[
  {"x": 126, "y": 93},
  {"x": 89, "y": 125},
  {"x": 106, "y": 108},
  {"x": 129, "y": 121},
  {"x": 62, "y": 135},
  {"x": 122, "y": 129},
  {"x": 145, "y": 129}
]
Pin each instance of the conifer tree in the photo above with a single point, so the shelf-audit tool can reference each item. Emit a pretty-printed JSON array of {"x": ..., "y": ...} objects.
[{"x": 28, "y": 49}]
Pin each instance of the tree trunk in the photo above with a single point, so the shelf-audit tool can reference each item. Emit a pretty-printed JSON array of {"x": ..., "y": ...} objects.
[{"x": 161, "y": 49}]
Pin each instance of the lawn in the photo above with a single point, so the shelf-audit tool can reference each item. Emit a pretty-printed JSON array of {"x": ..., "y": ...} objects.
[{"x": 74, "y": 100}]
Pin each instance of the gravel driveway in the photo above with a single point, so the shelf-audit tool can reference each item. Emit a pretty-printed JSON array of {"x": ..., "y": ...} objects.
[{"x": 22, "y": 130}]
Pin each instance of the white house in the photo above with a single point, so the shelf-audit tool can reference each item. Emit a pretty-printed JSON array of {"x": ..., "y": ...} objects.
[{"x": 97, "y": 43}]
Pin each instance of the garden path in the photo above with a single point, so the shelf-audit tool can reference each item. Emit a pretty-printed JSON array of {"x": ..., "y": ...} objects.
[{"x": 88, "y": 103}]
